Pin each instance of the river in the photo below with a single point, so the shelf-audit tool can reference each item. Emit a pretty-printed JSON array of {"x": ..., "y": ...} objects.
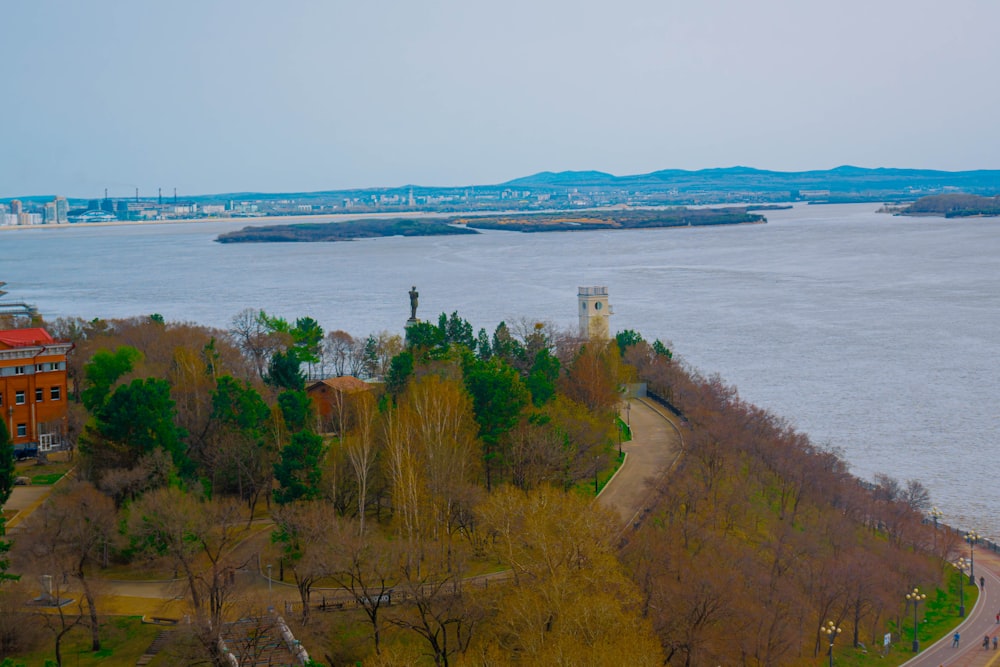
[{"x": 876, "y": 335}]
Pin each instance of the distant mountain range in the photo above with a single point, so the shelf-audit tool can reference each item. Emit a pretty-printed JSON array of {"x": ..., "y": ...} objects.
[
  {"x": 668, "y": 186},
  {"x": 841, "y": 180}
]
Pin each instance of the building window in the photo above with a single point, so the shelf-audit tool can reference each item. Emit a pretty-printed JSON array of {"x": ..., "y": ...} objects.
[
  {"x": 22, "y": 430},
  {"x": 39, "y": 395},
  {"x": 18, "y": 370},
  {"x": 54, "y": 393},
  {"x": 1, "y": 400},
  {"x": 19, "y": 397}
]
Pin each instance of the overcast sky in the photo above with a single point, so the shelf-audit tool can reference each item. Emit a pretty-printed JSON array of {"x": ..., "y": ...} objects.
[{"x": 234, "y": 95}]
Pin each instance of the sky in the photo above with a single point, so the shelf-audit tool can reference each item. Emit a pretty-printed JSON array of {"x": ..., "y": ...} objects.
[{"x": 256, "y": 95}]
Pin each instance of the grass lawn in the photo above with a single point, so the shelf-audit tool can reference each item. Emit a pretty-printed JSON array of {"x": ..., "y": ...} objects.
[
  {"x": 938, "y": 618},
  {"x": 45, "y": 473},
  {"x": 46, "y": 479},
  {"x": 123, "y": 640},
  {"x": 585, "y": 487}
]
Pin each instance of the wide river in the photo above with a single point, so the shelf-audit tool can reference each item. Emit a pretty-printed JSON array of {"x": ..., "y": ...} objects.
[{"x": 876, "y": 335}]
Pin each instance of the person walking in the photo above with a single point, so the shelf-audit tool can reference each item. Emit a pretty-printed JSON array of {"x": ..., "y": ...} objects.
[
  {"x": 986, "y": 643},
  {"x": 982, "y": 583},
  {"x": 954, "y": 640},
  {"x": 995, "y": 642}
]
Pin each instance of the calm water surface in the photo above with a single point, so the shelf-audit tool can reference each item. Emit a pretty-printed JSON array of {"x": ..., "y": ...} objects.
[{"x": 875, "y": 335}]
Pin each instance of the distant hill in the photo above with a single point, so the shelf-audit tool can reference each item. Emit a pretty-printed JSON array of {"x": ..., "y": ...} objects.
[
  {"x": 954, "y": 206},
  {"x": 564, "y": 178},
  {"x": 666, "y": 187},
  {"x": 844, "y": 179}
]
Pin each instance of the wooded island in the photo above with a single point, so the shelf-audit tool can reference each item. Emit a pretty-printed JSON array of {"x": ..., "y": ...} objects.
[{"x": 561, "y": 221}]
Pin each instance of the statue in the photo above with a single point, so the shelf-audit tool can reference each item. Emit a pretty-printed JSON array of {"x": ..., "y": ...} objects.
[{"x": 413, "y": 302}]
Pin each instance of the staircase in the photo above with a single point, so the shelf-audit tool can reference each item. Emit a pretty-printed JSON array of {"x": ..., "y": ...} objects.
[{"x": 158, "y": 643}]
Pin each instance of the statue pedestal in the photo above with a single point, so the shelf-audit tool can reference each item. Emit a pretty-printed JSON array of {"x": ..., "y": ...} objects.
[{"x": 410, "y": 322}]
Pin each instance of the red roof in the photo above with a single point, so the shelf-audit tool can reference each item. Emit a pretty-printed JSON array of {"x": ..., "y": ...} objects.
[
  {"x": 25, "y": 337},
  {"x": 345, "y": 383}
]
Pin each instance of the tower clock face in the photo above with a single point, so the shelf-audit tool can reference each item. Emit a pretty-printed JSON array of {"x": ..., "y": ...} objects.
[
  {"x": 597, "y": 305},
  {"x": 583, "y": 306}
]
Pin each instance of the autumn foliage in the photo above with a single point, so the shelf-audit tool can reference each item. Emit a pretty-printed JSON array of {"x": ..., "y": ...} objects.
[{"x": 442, "y": 502}]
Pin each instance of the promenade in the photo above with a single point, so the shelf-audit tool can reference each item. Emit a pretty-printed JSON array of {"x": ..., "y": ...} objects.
[
  {"x": 655, "y": 445},
  {"x": 979, "y": 622}
]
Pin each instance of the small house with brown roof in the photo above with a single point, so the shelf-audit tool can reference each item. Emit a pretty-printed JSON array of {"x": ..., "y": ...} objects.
[{"x": 333, "y": 399}]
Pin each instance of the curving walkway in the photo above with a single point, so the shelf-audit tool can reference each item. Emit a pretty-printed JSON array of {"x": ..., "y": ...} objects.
[
  {"x": 979, "y": 622},
  {"x": 654, "y": 448}
]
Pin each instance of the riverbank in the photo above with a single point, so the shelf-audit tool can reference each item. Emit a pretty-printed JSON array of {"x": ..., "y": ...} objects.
[{"x": 326, "y": 217}]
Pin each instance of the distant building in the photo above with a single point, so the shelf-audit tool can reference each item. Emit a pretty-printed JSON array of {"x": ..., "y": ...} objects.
[
  {"x": 49, "y": 213},
  {"x": 33, "y": 398},
  {"x": 62, "y": 210},
  {"x": 595, "y": 313},
  {"x": 16, "y": 207}
]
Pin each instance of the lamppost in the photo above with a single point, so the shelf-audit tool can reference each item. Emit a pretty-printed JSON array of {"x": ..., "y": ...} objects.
[
  {"x": 960, "y": 564},
  {"x": 618, "y": 423},
  {"x": 935, "y": 515},
  {"x": 831, "y": 631},
  {"x": 270, "y": 598},
  {"x": 916, "y": 597},
  {"x": 628, "y": 413},
  {"x": 972, "y": 537}
]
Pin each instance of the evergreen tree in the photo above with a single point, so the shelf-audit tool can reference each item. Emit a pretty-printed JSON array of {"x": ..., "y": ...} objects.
[
  {"x": 296, "y": 408},
  {"x": 284, "y": 371},
  {"x": 298, "y": 469}
]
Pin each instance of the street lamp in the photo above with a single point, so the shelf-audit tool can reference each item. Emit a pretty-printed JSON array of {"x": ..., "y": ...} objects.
[
  {"x": 628, "y": 413},
  {"x": 960, "y": 564},
  {"x": 270, "y": 598},
  {"x": 936, "y": 514},
  {"x": 596, "y": 489},
  {"x": 916, "y": 597},
  {"x": 831, "y": 631},
  {"x": 972, "y": 537},
  {"x": 618, "y": 423}
]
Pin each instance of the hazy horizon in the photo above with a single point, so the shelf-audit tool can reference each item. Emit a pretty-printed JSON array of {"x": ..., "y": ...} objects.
[{"x": 252, "y": 96}]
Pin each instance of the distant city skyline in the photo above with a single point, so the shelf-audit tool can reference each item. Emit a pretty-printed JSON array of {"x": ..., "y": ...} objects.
[{"x": 314, "y": 95}]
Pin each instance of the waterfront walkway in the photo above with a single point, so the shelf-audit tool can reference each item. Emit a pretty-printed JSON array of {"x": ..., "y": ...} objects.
[
  {"x": 979, "y": 622},
  {"x": 655, "y": 446}
]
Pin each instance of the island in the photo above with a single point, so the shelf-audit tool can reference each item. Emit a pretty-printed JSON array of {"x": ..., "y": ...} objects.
[
  {"x": 561, "y": 221},
  {"x": 954, "y": 205}
]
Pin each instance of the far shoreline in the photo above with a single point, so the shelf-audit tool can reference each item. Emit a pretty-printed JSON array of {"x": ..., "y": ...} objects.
[
  {"x": 345, "y": 217},
  {"x": 325, "y": 217}
]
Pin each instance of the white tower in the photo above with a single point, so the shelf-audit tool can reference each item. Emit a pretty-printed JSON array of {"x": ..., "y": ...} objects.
[{"x": 595, "y": 312}]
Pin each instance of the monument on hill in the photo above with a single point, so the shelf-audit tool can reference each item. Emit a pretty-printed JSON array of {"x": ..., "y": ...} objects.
[{"x": 414, "y": 298}]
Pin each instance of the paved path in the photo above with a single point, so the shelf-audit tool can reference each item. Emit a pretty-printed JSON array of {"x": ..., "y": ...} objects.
[
  {"x": 979, "y": 622},
  {"x": 655, "y": 445}
]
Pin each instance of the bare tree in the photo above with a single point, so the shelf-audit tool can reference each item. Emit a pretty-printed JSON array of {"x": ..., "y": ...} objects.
[
  {"x": 364, "y": 565},
  {"x": 916, "y": 495},
  {"x": 303, "y": 530},
  {"x": 337, "y": 349},
  {"x": 190, "y": 532},
  {"x": 72, "y": 530},
  {"x": 361, "y": 451}
]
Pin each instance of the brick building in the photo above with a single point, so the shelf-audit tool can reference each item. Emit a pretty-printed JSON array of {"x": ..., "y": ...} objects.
[{"x": 33, "y": 398}]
